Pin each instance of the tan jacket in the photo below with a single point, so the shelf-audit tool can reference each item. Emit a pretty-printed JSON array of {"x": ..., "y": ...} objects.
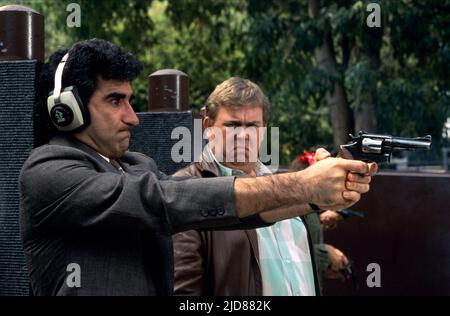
[{"x": 217, "y": 263}]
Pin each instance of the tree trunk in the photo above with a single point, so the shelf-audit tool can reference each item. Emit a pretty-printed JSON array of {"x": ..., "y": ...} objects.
[
  {"x": 340, "y": 113},
  {"x": 365, "y": 116},
  {"x": 346, "y": 50},
  {"x": 371, "y": 45}
]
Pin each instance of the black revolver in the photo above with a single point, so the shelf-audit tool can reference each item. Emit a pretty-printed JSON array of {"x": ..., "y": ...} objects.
[{"x": 379, "y": 148}]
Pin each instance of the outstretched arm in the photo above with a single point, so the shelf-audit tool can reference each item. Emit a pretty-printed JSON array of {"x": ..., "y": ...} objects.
[{"x": 333, "y": 183}]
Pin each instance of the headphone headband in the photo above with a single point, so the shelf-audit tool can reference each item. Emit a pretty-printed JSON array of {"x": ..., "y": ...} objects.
[
  {"x": 58, "y": 78},
  {"x": 65, "y": 108}
]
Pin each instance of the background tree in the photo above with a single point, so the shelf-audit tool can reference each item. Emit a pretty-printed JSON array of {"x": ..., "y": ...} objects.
[
  {"x": 340, "y": 114},
  {"x": 310, "y": 57}
]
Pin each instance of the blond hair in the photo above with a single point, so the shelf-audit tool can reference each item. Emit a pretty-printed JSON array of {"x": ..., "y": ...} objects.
[{"x": 235, "y": 93}]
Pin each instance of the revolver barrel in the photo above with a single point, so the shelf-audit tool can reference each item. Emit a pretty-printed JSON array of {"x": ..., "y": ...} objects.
[{"x": 411, "y": 143}]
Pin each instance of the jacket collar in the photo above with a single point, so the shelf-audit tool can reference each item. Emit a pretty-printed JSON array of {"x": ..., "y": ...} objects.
[
  {"x": 68, "y": 140},
  {"x": 208, "y": 163}
]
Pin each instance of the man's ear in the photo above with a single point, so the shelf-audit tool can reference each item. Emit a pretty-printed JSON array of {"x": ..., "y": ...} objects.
[{"x": 206, "y": 122}]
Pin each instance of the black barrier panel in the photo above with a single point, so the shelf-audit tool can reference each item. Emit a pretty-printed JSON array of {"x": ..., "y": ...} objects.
[
  {"x": 17, "y": 79},
  {"x": 153, "y": 137},
  {"x": 402, "y": 245}
]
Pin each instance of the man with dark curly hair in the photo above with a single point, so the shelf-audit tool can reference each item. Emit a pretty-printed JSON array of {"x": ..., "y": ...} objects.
[{"x": 97, "y": 219}]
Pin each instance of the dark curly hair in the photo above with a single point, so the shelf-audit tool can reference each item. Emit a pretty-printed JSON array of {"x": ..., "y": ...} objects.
[{"x": 87, "y": 60}]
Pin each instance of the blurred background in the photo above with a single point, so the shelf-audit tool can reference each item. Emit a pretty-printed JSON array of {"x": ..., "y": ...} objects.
[{"x": 326, "y": 72}]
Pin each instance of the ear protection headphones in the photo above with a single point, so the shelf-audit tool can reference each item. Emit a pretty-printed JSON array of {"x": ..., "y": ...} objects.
[{"x": 67, "y": 111}]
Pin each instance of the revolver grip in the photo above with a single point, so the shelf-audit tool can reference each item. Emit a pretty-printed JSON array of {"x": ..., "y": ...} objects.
[{"x": 344, "y": 153}]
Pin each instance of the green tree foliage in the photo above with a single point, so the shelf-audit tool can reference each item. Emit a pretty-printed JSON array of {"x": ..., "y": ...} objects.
[
  {"x": 413, "y": 91},
  {"x": 396, "y": 78}
]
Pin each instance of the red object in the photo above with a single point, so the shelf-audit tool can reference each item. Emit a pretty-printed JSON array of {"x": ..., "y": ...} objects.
[{"x": 307, "y": 157}]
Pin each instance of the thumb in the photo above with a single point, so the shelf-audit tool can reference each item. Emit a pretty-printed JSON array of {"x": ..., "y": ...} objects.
[
  {"x": 373, "y": 168},
  {"x": 344, "y": 260},
  {"x": 322, "y": 154}
]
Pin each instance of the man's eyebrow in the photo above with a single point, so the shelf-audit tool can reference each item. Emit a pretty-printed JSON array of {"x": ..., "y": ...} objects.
[
  {"x": 117, "y": 95},
  {"x": 232, "y": 121},
  {"x": 254, "y": 122}
]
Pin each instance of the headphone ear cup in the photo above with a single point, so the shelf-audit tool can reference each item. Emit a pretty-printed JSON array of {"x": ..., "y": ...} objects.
[
  {"x": 69, "y": 113},
  {"x": 61, "y": 115}
]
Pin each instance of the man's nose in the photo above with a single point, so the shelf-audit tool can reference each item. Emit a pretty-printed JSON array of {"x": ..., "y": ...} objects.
[
  {"x": 130, "y": 117},
  {"x": 240, "y": 132},
  {"x": 245, "y": 133}
]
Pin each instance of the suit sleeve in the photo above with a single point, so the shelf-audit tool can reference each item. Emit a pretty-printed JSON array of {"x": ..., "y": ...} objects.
[{"x": 62, "y": 190}]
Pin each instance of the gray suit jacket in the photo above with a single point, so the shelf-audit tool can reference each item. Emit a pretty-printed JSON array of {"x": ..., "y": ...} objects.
[{"x": 77, "y": 208}]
